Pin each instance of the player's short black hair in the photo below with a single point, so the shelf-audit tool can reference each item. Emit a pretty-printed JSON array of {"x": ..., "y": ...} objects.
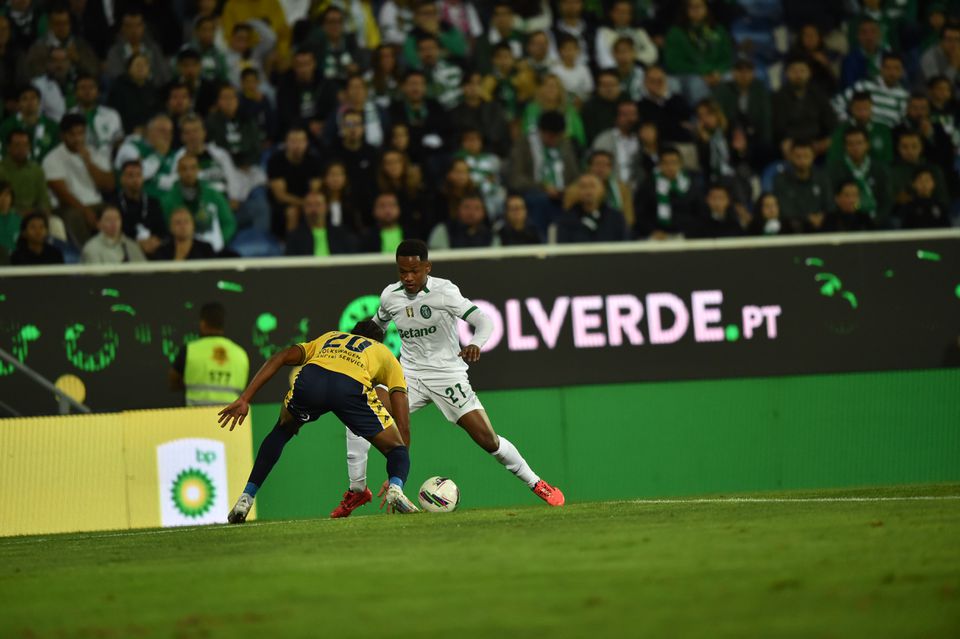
[
  {"x": 413, "y": 248},
  {"x": 368, "y": 328},
  {"x": 213, "y": 315}
]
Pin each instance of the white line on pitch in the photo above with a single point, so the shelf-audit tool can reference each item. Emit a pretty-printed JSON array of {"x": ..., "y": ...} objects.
[{"x": 791, "y": 500}]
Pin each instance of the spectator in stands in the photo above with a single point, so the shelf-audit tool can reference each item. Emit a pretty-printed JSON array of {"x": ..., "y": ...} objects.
[
  {"x": 670, "y": 112},
  {"x": 551, "y": 96},
  {"x": 397, "y": 176},
  {"x": 599, "y": 113},
  {"x": 944, "y": 109},
  {"x": 387, "y": 231},
  {"x": 943, "y": 59},
  {"x": 213, "y": 62},
  {"x": 271, "y": 13},
  {"x": 384, "y": 76},
  {"x": 923, "y": 209},
  {"x": 427, "y": 22},
  {"x": 698, "y": 51},
  {"x": 887, "y": 94},
  {"x": 444, "y": 76},
  {"x": 766, "y": 217},
  {"x": 141, "y": 214},
  {"x": 357, "y": 98},
  {"x": 358, "y": 157},
  {"x": 303, "y": 97},
  {"x": 104, "y": 126},
  {"x": 25, "y": 21},
  {"x": 571, "y": 70},
  {"x": 541, "y": 166},
  {"x": 717, "y": 217},
  {"x": 802, "y": 189},
  {"x": 847, "y": 214},
  {"x": 341, "y": 198},
  {"x": 56, "y": 86},
  {"x": 33, "y": 247},
  {"x": 155, "y": 153},
  {"x": 746, "y": 104},
  {"x": 622, "y": 143},
  {"x": 590, "y": 219},
  {"x": 667, "y": 200},
  {"x": 134, "y": 95},
  {"x": 456, "y": 186},
  {"x": 630, "y": 72},
  {"x": 864, "y": 60},
  {"x": 9, "y": 222},
  {"x": 570, "y": 22},
  {"x": 621, "y": 25},
  {"x": 617, "y": 195},
  {"x": 189, "y": 72},
  {"x": 254, "y": 104},
  {"x": 336, "y": 51},
  {"x": 182, "y": 243},
  {"x": 41, "y": 130},
  {"x": 484, "y": 170},
  {"x": 60, "y": 35},
  {"x": 937, "y": 145},
  {"x": 426, "y": 121},
  {"x": 212, "y": 217},
  {"x": 486, "y": 116},
  {"x": 861, "y": 117},
  {"x": 110, "y": 245},
  {"x": 76, "y": 176},
  {"x": 314, "y": 234},
  {"x": 515, "y": 229},
  {"x": 649, "y": 155},
  {"x": 723, "y": 155},
  {"x": 503, "y": 31},
  {"x": 801, "y": 111},
  {"x": 539, "y": 56},
  {"x": 133, "y": 40},
  {"x": 216, "y": 166},
  {"x": 469, "y": 229},
  {"x": 292, "y": 172},
  {"x": 910, "y": 160},
  {"x": 249, "y": 46},
  {"x": 510, "y": 83},
  {"x": 24, "y": 175}
]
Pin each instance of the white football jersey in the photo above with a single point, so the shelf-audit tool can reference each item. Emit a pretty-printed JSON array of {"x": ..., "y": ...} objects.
[{"x": 427, "y": 323}]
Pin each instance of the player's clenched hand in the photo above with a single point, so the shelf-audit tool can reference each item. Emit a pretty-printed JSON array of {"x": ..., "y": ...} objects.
[
  {"x": 470, "y": 353},
  {"x": 234, "y": 414}
]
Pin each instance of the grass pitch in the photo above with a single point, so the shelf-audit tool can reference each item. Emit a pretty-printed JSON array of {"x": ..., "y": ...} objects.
[{"x": 809, "y": 565}]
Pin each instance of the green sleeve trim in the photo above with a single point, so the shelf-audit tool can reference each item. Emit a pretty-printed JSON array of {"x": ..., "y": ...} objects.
[{"x": 470, "y": 310}]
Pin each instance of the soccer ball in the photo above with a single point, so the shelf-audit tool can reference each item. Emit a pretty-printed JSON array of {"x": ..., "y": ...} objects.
[{"x": 439, "y": 495}]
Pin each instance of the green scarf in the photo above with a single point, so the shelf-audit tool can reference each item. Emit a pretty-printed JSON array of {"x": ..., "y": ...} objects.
[
  {"x": 861, "y": 175},
  {"x": 614, "y": 199},
  {"x": 667, "y": 188}
]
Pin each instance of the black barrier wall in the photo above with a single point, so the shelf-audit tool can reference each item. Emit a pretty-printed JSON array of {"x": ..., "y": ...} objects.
[{"x": 560, "y": 320}]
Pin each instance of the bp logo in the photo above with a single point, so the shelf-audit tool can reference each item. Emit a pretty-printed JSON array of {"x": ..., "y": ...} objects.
[
  {"x": 192, "y": 482},
  {"x": 425, "y": 312},
  {"x": 193, "y": 493}
]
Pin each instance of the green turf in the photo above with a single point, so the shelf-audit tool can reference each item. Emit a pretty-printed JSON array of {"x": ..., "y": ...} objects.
[{"x": 796, "y": 569}]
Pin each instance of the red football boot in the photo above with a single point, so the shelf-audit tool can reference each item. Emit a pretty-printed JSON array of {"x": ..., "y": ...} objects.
[
  {"x": 351, "y": 501},
  {"x": 548, "y": 493}
]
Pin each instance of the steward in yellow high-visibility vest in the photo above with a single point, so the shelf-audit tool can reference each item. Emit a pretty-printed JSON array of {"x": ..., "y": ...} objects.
[{"x": 212, "y": 370}]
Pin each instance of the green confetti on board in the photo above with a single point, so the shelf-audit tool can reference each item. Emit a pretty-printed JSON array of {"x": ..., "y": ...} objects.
[
  {"x": 956, "y": 291},
  {"x": 188, "y": 305},
  {"x": 930, "y": 256},
  {"x": 850, "y": 297},
  {"x": 110, "y": 292},
  {"x": 813, "y": 261},
  {"x": 732, "y": 333},
  {"x": 267, "y": 323},
  {"x": 143, "y": 333},
  {"x": 30, "y": 333},
  {"x": 233, "y": 287},
  {"x": 831, "y": 285},
  {"x": 3, "y": 298},
  {"x": 888, "y": 273},
  {"x": 123, "y": 308}
]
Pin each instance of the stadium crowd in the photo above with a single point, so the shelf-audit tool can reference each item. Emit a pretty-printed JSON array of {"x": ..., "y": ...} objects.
[{"x": 182, "y": 129}]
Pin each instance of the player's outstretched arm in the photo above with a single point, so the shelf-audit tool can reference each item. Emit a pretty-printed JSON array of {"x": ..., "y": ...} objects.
[{"x": 236, "y": 412}]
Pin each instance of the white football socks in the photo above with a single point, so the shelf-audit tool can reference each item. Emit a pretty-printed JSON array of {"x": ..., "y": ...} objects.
[
  {"x": 358, "y": 449},
  {"x": 510, "y": 457}
]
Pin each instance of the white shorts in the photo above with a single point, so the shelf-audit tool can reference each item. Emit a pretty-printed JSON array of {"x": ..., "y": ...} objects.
[{"x": 453, "y": 395}]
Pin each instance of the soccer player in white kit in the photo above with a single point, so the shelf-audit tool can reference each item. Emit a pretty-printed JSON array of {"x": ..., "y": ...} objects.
[{"x": 425, "y": 310}]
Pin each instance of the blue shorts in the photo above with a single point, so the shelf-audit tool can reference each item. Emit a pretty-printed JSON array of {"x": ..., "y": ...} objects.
[{"x": 318, "y": 391}]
